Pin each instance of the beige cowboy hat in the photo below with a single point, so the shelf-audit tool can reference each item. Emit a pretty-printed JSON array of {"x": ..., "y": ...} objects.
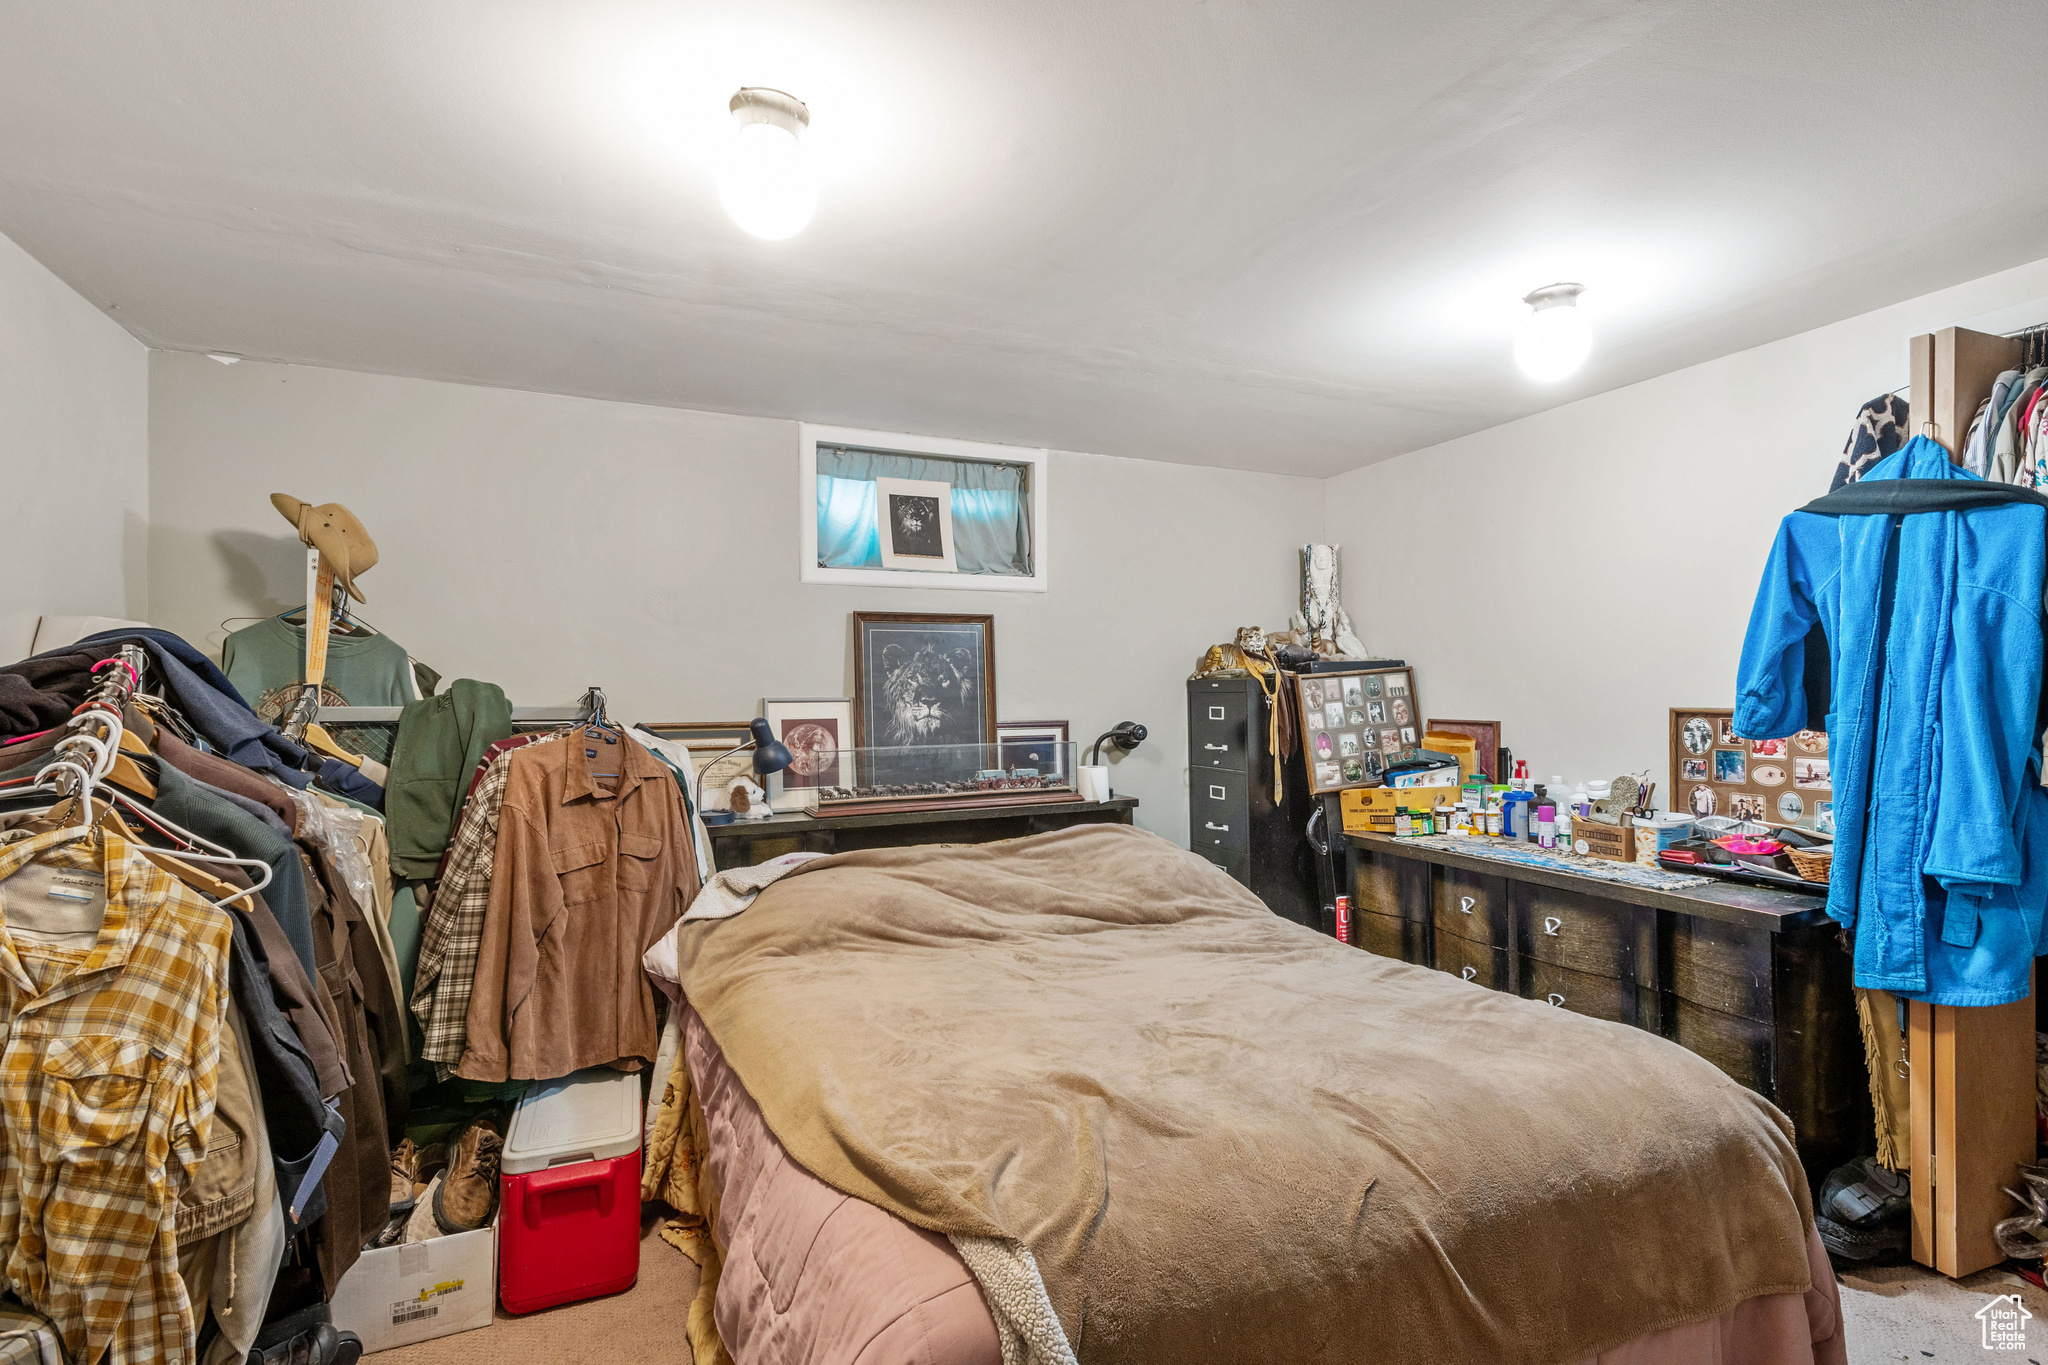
[{"x": 334, "y": 531}]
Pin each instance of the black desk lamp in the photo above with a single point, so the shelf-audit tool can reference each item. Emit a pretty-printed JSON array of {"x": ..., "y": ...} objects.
[
  {"x": 769, "y": 757},
  {"x": 1127, "y": 736}
]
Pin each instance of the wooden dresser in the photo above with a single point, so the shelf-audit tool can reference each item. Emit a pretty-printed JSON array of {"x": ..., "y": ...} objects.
[
  {"x": 1754, "y": 980},
  {"x": 1233, "y": 820}
]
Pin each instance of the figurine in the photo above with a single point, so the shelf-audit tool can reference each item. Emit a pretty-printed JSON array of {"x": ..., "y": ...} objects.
[
  {"x": 1321, "y": 620},
  {"x": 748, "y": 801}
]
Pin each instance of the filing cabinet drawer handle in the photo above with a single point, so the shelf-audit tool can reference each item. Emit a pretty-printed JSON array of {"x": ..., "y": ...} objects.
[
  {"x": 1465, "y": 904},
  {"x": 1469, "y": 973},
  {"x": 1554, "y": 998},
  {"x": 1207, "y": 824},
  {"x": 1550, "y": 924},
  {"x": 1219, "y": 748},
  {"x": 1218, "y": 794},
  {"x": 1215, "y": 713}
]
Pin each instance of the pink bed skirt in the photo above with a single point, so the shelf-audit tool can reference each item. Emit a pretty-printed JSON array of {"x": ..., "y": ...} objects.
[{"x": 815, "y": 1277}]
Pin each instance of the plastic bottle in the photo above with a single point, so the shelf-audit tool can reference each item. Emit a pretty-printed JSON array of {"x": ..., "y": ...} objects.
[
  {"x": 1564, "y": 829},
  {"x": 1546, "y": 826}
]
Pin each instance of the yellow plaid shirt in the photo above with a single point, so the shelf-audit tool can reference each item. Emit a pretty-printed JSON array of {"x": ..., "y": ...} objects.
[{"x": 107, "y": 1060}]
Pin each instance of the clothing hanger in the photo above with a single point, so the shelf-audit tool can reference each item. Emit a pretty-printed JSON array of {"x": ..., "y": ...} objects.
[{"x": 593, "y": 699}]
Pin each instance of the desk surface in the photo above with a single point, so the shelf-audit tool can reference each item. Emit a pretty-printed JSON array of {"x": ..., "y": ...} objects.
[
  {"x": 795, "y": 821},
  {"x": 1730, "y": 902}
]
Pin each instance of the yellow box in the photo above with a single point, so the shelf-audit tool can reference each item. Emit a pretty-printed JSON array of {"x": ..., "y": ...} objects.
[{"x": 1371, "y": 810}]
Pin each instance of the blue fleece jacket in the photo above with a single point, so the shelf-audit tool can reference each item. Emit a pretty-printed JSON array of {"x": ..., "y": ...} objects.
[{"x": 1935, "y": 634}]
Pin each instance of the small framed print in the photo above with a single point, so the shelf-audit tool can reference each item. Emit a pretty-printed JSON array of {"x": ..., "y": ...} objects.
[
  {"x": 1350, "y": 722},
  {"x": 1038, "y": 744},
  {"x": 915, "y": 524},
  {"x": 818, "y": 732},
  {"x": 710, "y": 742}
]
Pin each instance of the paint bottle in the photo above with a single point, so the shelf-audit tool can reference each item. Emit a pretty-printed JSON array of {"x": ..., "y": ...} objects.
[{"x": 1546, "y": 826}]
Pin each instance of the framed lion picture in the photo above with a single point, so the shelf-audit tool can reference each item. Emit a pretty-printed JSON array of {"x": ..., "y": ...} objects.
[{"x": 923, "y": 679}]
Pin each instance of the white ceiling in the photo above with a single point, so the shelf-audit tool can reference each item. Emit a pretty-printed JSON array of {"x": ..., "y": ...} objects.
[{"x": 1281, "y": 236}]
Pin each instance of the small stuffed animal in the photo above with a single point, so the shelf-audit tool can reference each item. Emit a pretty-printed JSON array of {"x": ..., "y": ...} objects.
[{"x": 748, "y": 801}]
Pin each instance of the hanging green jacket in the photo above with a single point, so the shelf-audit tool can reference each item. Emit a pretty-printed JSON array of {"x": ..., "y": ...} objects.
[{"x": 440, "y": 740}]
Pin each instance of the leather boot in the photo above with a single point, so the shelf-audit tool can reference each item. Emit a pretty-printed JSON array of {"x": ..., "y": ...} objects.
[
  {"x": 405, "y": 1174},
  {"x": 468, "y": 1195},
  {"x": 307, "y": 1337}
]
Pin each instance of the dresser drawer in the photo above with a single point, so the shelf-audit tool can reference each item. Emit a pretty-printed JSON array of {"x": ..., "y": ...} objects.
[
  {"x": 1219, "y": 731},
  {"x": 1219, "y": 814},
  {"x": 1470, "y": 906},
  {"x": 1584, "y": 933},
  {"x": 1406, "y": 940},
  {"x": 1601, "y": 997},
  {"x": 1721, "y": 966},
  {"x": 1740, "y": 1047},
  {"x": 1236, "y": 861},
  {"x": 1386, "y": 885},
  {"x": 1475, "y": 962}
]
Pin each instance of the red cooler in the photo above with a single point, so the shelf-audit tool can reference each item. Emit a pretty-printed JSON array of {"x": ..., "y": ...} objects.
[{"x": 569, "y": 1227}]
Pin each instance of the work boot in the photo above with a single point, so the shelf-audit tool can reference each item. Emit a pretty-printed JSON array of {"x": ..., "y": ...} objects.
[
  {"x": 1865, "y": 1213},
  {"x": 468, "y": 1196},
  {"x": 405, "y": 1175}
]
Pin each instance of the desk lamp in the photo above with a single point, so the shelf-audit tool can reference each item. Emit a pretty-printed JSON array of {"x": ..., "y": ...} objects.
[{"x": 769, "y": 757}]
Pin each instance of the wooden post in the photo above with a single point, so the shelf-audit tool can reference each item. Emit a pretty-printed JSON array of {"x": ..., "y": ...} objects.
[{"x": 1972, "y": 1084}]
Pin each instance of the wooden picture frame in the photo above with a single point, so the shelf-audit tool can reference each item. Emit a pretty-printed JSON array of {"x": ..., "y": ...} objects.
[
  {"x": 1346, "y": 748},
  {"x": 706, "y": 740},
  {"x": 1485, "y": 737},
  {"x": 923, "y": 678},
  {"x": 1714, "y": 771},
  {"x": 1011, "y": 734}
]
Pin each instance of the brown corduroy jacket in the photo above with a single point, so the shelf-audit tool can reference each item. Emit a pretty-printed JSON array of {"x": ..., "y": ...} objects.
[{"x": 590, "y": 871}]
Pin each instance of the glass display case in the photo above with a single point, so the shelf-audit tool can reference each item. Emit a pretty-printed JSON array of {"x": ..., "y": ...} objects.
[{"x": 929, "y": 776}]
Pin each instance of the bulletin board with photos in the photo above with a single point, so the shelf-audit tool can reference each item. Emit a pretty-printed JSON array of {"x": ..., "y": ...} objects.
[
  {"x": 1353, "y": 723},
  {"x": 1715, "y": 771}
]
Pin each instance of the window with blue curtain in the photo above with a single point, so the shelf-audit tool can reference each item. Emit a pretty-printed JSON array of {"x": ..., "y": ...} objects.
[{"x": 991, "y": 508}]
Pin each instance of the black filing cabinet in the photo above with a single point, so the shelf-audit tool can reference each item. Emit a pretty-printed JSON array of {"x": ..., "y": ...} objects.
[{"x": 1233, "y": 820}]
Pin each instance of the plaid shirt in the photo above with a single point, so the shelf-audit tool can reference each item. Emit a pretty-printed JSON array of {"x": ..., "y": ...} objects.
[
  {"x": 454, "y": 928},
  {"x": 107, "y": 1071}
]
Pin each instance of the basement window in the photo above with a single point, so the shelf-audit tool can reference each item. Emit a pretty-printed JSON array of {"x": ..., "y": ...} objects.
[{"x": 921, "y": 512}]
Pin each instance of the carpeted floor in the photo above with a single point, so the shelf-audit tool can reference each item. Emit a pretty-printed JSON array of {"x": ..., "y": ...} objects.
[
  {"x": 1895, "y": 1313},
  {"x": 643, "y": 1326},
  {"x": 1905, "y": 1313}
]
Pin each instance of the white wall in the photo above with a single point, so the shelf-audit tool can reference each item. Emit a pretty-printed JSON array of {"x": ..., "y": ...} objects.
[
  {"x": 1577, "y": 573},
  {"x": 545, "y": 543},
  {"x": 74, "y": 450}
]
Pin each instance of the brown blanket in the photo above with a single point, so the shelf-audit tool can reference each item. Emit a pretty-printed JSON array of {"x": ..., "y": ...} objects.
[{"x": 1225, "y": 1137}]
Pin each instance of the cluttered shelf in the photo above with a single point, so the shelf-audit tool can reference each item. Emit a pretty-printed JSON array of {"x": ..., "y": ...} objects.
[
  {"x": 1728, "y": 902},
  {"x": 746, "y": 842}
]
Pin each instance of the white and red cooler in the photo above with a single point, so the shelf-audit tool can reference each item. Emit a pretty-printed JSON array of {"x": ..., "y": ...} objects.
[{"x": 569, "y": 1224}]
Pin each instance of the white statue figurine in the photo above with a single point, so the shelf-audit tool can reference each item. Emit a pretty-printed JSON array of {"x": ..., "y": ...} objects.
[{"x": 1321, "y": 618}]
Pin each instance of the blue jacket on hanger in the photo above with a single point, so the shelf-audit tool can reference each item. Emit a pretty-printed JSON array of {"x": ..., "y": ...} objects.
[{"x": 1935, "y": 636}]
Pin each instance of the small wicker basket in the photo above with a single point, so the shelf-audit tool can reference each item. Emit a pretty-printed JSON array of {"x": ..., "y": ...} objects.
[{"x": 1812, "y": 863}]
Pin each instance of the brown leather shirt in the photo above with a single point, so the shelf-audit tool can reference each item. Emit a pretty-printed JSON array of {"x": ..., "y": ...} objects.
[{"x": 590, "y": 871}]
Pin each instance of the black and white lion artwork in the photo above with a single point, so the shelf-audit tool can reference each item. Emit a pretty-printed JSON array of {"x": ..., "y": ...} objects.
[{"x": 928, "y": 696}]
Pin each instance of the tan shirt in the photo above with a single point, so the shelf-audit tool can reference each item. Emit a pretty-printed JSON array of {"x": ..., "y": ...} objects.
[{"x": 589, "y": 872}]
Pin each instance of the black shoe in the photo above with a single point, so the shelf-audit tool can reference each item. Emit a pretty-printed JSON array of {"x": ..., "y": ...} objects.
[
  {"x": 307, "y": 1337},
  {"x": 1865, "y": 1212}
]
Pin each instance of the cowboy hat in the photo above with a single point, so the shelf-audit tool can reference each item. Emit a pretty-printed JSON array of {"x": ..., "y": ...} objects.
[{"x": 334, "y": 531}]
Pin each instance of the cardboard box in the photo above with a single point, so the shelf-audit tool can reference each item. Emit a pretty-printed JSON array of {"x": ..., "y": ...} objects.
[
  {"x": 1614, "y": 842},
  {"x": 395, "y": 1296},
  {"x": 1371, "y": 811}
]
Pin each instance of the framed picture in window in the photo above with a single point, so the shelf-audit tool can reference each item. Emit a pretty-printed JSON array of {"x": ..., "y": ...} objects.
[
  {"x": 914, "y": 524},
  {"x": 866, "y": 503}
]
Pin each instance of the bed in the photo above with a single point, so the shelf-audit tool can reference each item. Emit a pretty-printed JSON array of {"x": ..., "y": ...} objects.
[{"x": 1080, "y": 1097}]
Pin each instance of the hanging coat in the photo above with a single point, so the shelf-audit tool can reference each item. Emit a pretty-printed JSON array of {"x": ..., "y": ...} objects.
[{"x": 1934, "y": 630}]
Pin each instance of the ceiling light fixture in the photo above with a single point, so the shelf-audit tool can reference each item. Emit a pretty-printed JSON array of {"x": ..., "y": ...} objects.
[
  {"x": 767, "y": 182},
  {"x": 1553, "y": 340}
]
